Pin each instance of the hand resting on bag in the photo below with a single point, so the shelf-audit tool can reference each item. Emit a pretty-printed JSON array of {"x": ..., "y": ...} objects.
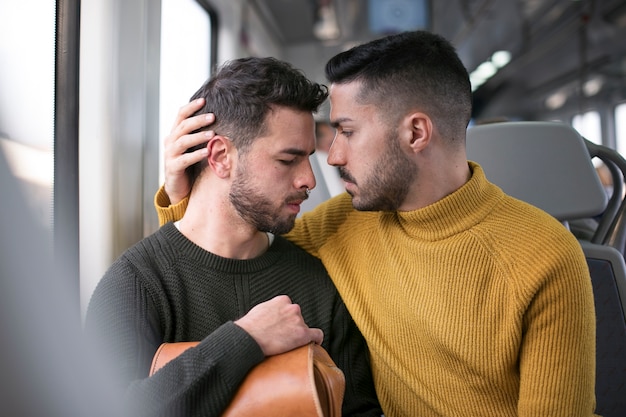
[{"x": 277, "y": 326}]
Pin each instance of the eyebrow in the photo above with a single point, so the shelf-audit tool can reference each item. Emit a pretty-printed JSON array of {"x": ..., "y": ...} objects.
[
  {"x": 297, "y": 152},
  {"x": 336, "y": 123}
]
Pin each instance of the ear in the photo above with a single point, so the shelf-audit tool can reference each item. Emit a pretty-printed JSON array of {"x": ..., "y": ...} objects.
[
  {"x": 221, "y": 155},
  {"x": 418, "y": 129}
]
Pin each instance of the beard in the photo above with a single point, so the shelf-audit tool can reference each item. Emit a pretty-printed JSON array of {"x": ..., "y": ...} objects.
[
  {"x": 386, "y": 189},
  {"x": 258, "y": 210}
]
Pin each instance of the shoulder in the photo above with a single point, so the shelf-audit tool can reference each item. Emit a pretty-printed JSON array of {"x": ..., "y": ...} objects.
[
  {"x": 141, "y": 263},
  {"x": 531, "y": 223},
  {"x": 155, "y": 250},
  {"x": 529, "y": 240}
]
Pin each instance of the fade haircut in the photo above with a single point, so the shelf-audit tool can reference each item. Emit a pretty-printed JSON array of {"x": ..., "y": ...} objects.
[
  {"x": 244, "y": 91},
  {"x": 409, "y": 70}
]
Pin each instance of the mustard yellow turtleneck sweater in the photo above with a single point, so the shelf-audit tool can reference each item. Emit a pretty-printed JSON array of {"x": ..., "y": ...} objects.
[{"x": 477, "y": 305}]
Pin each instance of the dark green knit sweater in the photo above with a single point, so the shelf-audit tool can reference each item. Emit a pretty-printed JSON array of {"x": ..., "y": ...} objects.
[{"x": 167, "y": 289}]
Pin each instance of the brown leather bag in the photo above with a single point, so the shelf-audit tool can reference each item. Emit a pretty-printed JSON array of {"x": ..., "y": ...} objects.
[{"x": 304, "y": 382}]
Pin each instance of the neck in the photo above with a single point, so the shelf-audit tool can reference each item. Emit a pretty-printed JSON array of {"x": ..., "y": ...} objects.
[
  {"x": 434, "y": 183},
  {"x": 213, "y": 224}
]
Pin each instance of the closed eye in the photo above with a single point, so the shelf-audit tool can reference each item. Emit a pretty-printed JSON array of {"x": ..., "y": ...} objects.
[{"x": 290, "y": 157}]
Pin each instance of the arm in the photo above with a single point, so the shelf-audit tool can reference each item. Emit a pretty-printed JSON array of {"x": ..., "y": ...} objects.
[
  {"x": 125, "y": 321},
  {"x": 201, "y": 381},
  {"x": 557, "y": 356}
]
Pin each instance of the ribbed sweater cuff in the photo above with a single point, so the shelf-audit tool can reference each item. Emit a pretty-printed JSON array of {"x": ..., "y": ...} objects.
[{"x": 165, "y": 211}]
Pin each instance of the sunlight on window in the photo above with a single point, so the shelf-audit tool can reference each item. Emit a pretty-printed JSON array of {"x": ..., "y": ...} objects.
[
  {"x": 27, "y": 99},
  {"x": 588, "y": 125},
  {"x": 620, "y": 128},
  {"x": 185, "y": 59}
]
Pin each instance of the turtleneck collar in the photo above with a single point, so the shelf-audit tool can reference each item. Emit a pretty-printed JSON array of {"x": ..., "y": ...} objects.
[{"x": 456, "y": 212}]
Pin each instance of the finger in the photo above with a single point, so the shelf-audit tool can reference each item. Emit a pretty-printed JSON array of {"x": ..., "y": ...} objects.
[
  {"x": 283, "y": 299},
  {"x": 293, "y": 311},
  {"x": 188, "y": 110},
  {"x": 176, "y": 148},
  {"x": 317, "y": 335},
  {"x": 193, "y": 123},
  {"x": 186, "y": 160},
  {"x": 187, "y": 126}
]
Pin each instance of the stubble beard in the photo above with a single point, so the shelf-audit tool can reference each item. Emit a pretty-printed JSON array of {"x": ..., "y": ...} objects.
[
  {"x": 257, "y": 210},
  {"x": 388, "y": 188}
]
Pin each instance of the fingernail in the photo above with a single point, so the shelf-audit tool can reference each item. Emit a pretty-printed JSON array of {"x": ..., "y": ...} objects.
[{"x": 209, "y": 133}]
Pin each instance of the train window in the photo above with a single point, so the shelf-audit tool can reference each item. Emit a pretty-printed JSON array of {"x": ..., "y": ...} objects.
[
  {"x": 27, "y": 86},
  {"x": 620, "y": 128},
  {"x": 185, "y": 58},
  {"x": 588, "y": 125}
]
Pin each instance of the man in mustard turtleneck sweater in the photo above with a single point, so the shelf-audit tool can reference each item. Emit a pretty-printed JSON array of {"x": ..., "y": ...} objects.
[{"x": 472, "y": 303}]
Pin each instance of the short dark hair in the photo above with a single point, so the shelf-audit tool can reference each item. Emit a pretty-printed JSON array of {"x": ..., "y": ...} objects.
[
  {"x": 243, "y": 92},
  {"x": 406, "y": 70}
]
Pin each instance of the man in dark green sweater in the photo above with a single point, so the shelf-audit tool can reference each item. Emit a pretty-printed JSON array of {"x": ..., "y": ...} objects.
[{"x": 222, "y": 274}]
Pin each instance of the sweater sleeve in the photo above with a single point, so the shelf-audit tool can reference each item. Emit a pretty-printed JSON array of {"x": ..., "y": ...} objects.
[
  {"x": 167, "y": 212},
  {"x": 557, "y": 360},
  {"x": 123, "y": 320}
]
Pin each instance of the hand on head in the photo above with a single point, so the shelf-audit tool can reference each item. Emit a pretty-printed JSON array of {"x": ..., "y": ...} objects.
[
  {"x": 177, "y": 185},
  {"x": 277, "y": 326}
]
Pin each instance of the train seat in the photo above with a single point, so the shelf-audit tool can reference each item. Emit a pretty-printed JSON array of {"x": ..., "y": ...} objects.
[
  {"x": 545, "y": 164},
  {"x": 606, "y": 264},
  {"x": 549, "y": 165}
]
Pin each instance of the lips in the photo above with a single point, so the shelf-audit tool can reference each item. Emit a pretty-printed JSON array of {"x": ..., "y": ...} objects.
[
  {"x": 295, "y": 206},
  {"x": 295, "y": 201}
]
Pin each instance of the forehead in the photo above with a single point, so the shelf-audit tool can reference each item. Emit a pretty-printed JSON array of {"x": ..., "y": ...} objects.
[
  {"x": 288, "y": 128},
  {"x": 345, "y": 106}
]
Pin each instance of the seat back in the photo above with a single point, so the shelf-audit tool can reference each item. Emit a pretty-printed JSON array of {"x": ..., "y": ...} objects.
[
  {"x": 543, "y": 163},
  {"x": 549, "y": 165},
  {"x": 608, "y": 277}
]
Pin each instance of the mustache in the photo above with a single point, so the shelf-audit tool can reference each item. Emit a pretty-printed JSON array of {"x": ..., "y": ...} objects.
[
  {"x": 345, "y": 175},
  {"x": 298, "y": 196}
]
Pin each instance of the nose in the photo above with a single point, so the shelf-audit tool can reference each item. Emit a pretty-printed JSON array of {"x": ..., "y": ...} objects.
[
  {"x": 306, "y": 178},
  {"x": 336, "y": 154}
]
